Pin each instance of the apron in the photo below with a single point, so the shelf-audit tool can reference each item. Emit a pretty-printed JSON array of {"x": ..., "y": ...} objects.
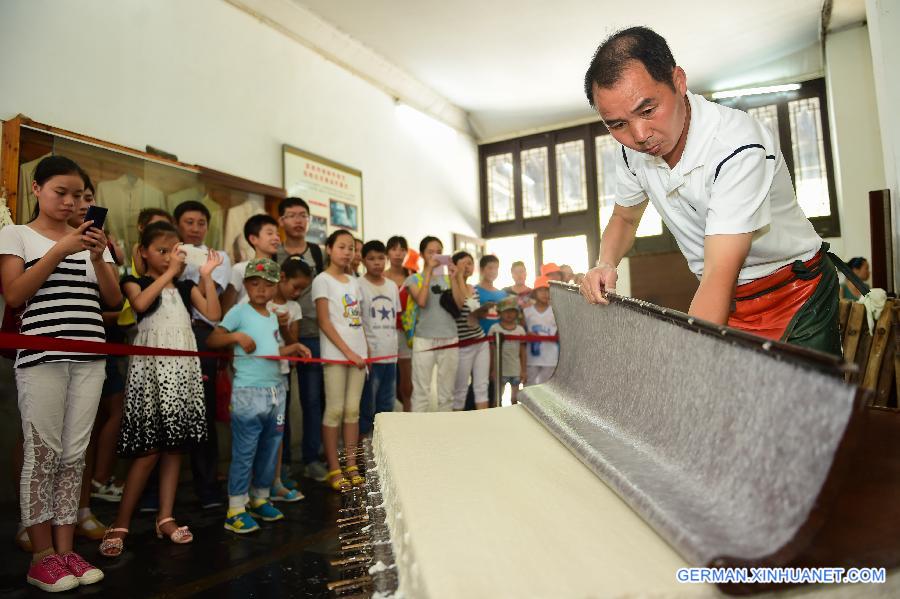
[{"x": 796, "y": 304}]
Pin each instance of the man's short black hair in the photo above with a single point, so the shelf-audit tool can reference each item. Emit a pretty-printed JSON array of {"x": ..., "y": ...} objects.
[
  {"x": 286, "y": 203},
  {"x": 255, "y": 224},
  {"x": 190, "y": 206},
  {"x": 373, "y": 246},
  {"x": 613, "y": 55}
]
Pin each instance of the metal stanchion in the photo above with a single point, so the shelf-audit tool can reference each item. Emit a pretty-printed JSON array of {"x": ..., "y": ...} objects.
[{"x": 498, "y": 368}]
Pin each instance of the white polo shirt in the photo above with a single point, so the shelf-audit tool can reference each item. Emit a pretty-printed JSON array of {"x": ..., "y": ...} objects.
[{"x": 731, "y": 179}]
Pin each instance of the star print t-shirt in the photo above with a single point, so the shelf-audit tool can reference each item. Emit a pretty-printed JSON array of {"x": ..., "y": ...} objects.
[
  {"x": 344, "y": 312},
  {"x": 380, "y": 304}
]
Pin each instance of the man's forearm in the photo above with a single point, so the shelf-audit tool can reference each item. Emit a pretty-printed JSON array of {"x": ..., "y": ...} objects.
[
  {"x": 712, "y": 301},
  {"x": 723, "y": 258},
  {"x": 617, "y": 239}
]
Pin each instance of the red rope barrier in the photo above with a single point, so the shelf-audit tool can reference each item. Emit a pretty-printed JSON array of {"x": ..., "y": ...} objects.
[{"x": 17, "y": 341}]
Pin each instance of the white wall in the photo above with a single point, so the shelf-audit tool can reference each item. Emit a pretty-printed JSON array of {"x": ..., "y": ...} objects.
[
  {"x": 855, "y": 136},
  {"x": 208, "y": 82},
  {"x": 883, "y": 17}
]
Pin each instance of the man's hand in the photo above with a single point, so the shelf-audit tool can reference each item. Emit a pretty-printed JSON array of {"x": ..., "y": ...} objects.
[
  {"x": 618, "y": 237},
  {"x": 598, "y": 281}
]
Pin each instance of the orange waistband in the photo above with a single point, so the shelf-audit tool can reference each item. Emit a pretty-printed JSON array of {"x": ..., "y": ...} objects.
[{"x": 782, "y": 276}]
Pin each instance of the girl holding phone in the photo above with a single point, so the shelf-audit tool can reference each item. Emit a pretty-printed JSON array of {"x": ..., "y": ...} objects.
[{"x": 60, "y": 274}]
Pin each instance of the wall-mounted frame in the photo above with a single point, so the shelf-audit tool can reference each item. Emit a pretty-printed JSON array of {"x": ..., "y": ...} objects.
[
  {"x": 473, "y": 245},
  {"x": 332, "y": 190}
]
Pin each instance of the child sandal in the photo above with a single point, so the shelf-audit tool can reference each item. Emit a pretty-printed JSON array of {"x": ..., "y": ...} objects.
[
  {"x": 356, "y": 479},
  {"x": 338, "y": 482},
  {"x": 112, "y": 546},
  {"x": 180, "y": 536}
]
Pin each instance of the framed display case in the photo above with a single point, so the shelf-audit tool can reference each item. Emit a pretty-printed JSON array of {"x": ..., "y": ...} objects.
[{"x": 128, "y": 180}]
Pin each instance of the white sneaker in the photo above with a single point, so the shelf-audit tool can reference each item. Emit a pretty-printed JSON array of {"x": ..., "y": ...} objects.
[
  {"x": 107, "y": 492},
  {"x": 316, "y": 471}
]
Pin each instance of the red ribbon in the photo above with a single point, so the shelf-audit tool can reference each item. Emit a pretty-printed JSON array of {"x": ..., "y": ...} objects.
[
  {"x": 41, "y": 343},
  {"x": 490, "y": 339}
]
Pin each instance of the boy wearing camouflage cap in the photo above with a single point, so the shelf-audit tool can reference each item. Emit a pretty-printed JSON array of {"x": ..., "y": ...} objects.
[
  {"x": 513, "y": 352},
  {"x": 257, "y": 398}
]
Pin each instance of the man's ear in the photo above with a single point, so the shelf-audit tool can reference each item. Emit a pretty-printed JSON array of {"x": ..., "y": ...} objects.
[{"x": 679, "y": 80}]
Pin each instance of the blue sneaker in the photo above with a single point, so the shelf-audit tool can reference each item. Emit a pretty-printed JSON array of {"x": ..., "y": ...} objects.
[
  {"x": 265, "y": 512},
  {"x": 241, "y": 523},
  {"x": 289, "y": 483},
  {"x": 284, "y": 494}
]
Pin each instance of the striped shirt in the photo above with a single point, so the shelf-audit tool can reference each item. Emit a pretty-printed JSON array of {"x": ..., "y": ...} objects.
[
  {"x": 67, "y": 305},
  {"x": 464, "y": 329}
]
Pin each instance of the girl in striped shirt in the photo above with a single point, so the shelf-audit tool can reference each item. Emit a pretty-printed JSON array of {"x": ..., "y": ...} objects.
[
  {"x": 474, "y": 360},
  {"x": 60, "y": 274}
]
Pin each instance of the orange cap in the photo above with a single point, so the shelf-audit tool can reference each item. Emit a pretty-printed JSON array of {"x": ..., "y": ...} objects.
[
  {"x": 542, "y": 282},
  {"x": 546, "y": 269}
]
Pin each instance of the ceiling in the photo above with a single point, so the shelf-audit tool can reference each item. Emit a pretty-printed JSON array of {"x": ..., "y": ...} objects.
[{"x": 517, "y": 65}]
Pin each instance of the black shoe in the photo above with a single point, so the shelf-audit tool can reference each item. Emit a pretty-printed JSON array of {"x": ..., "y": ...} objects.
[
  {"x": 149, "y": 504},
  {"x": 211, "y": 500}
]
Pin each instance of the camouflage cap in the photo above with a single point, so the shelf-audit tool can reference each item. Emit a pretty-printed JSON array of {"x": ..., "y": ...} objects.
[
  {"x": 510, "y": 302},
  {"x": 263, "y": 268}
]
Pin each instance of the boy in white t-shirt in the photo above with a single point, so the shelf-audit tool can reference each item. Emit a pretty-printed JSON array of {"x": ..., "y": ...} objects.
[
  {"x": 261, "y": 232},
  {"x": 539, "y": 320},
  {"x": 380, "y": 304}
]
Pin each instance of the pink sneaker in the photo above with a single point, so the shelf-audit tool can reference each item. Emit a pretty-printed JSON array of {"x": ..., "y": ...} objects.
[
  {"x": 83, "y": 571},
  {"x": 50, "y": 574}
]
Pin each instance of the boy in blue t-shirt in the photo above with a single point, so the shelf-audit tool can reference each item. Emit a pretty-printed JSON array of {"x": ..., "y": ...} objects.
[{"x": 257, "y": 397}]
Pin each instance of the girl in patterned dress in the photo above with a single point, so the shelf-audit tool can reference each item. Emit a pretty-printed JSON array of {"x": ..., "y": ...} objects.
[{"x": 164, "y": 407}]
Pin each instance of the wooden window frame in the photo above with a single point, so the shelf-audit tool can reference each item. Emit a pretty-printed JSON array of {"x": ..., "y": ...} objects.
[
  {"x": 587, "y": 222},
  {"x": 826, "y": 226}
]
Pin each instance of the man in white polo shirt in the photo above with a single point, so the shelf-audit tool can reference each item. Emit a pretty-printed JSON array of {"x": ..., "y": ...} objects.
[{"x": 718, "y": 179}]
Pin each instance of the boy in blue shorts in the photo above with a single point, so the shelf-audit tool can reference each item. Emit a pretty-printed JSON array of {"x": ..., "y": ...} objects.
[{"x": 257, "y": 398}]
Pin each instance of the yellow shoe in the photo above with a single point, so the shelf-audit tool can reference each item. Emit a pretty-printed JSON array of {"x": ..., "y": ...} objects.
[
  {"x": 356, "y": 478},
  {"x": 90, "y": 528},
  {"x": 338, "y": 482}
]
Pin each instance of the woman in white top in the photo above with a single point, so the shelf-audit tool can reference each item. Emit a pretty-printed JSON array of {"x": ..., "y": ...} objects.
[{"x": 60, "y": 274}]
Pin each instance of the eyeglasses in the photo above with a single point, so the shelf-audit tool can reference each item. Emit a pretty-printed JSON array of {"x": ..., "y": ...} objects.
[{"x": 295, "y": 216}]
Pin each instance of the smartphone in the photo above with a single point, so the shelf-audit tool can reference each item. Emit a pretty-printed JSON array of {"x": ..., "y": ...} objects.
[
  {"x": 443, "y": 259},
  {"x": 193, "y": 255},
  {"x": 97, "y": 214}
]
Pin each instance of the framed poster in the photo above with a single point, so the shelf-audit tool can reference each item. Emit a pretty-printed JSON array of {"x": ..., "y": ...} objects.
[{"x": 332, "y": 190}]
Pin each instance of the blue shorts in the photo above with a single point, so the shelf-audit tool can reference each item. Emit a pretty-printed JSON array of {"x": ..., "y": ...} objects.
[
  {"x": 513, "y": 381},
  {"x": 114, "y": 382}
]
